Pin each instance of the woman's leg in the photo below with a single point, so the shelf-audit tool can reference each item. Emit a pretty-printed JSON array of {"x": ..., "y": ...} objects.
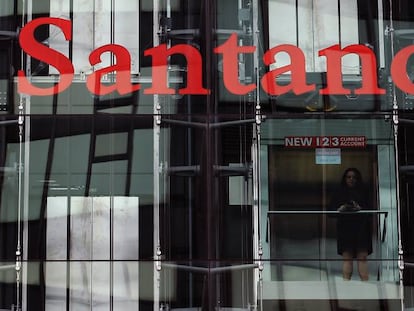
[
  {"x": 347, "y": 265},
  {"x": 363, "y": 265}
]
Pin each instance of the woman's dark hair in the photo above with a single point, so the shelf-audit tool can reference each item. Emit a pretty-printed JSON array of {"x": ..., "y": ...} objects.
[{"x": 358, "y": 176}]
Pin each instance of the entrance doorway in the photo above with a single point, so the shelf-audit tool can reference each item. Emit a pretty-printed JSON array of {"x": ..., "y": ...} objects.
[{"x": 303, "y": 245}]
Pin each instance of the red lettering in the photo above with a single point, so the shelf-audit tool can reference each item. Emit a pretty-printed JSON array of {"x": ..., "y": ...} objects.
[
  {"x": 160, "y": 56},
  {"x": 122, "y": 67},
  {"x": 231, "y": 50},
  {"x": 399, "y": 70},
  {"x": 297, "y": 68},
  {"x": 334, "y": 56},
  {"x": 45, "y": 54}
]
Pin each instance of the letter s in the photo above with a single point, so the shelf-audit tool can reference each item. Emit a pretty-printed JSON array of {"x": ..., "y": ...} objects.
[{"x": 43, "y": 53}]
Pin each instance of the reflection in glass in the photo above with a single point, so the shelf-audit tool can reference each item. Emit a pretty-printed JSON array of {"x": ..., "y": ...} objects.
[{"x": 102, "y": 230}]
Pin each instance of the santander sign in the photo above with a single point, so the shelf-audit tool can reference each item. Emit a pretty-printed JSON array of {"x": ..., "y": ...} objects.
[{"x": 229, "y": 51}]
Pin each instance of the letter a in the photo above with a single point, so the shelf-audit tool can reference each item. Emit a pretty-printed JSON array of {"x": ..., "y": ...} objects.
[
  {"x": 297, "y": 68},
  {"x": 122, "y": 67}
]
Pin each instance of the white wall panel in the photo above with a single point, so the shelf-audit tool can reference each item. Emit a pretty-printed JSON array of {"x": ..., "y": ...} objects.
[
  {"x": 127, "y": 29},
  {"x": 126, "y": 228},
  {"x": 97, "y": 23},
  {"x": 282, "y": 27},
  {"x": 349, "y": 34},
  {"x": 326, "y": 29},
  {"x": 58, "y": 8},
  {"x": 314, "y": 25},
  {"x": 90, "y": 230},
  {"x": 83, "y": 33},
  {"x": 90, "y": 237},
  {"x": 56, "y": 229},
  {"x": 102, "y": 29},
  {"x": 306, "y": 32}
]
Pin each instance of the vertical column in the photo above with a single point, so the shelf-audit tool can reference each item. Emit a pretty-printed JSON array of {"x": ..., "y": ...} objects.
[
  {"x": 208, "y": 30},
  {"x": 22, "y": 201},
  {"x": 156, "y": 173},
  {"x": 257, "y": 243},
  {"x": 381, "y": 39},
  {"x": 395, "y": 119},
  {"x": 24, "y": 124}
]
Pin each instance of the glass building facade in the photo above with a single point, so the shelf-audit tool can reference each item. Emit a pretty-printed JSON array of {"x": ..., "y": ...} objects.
[{"x": 184, "y": 155}]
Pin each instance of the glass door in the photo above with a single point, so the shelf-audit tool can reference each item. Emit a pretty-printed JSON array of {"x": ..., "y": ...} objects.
[{"x": 304, "y": 166}]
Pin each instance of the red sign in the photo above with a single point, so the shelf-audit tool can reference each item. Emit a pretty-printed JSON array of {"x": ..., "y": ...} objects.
[
  {"x": 325, "y": 141},
  {"x": 230, "y": 52}
]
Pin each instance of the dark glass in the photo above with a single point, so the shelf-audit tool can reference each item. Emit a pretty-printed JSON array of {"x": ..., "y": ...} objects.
[{"x": 136, "y": 201}]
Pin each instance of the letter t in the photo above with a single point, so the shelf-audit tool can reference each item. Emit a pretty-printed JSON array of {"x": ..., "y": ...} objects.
[{"x": 231, "y": 51}]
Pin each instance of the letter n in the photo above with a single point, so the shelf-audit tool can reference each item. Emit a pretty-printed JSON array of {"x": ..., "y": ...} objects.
[{"x": 160, "y": 56}]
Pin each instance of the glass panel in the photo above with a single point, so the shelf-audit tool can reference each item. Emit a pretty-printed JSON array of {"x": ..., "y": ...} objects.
[
  {"x": 210, "y": 285},
  {"x": 106, "y": 285},
  {"x": 316, "y": 285},
  {"x": 304, "y": 231},
  {"x": 127, "y": 280},
  {"x": 56, "y": 280},
  {"x": 313, "y": 26},
  {"x": 216, "y": 201},
  {"x": 92, "y": 30},
  {"x": 316, "y": 26},
  {"x": 101, "y": 184},
  {"x": 100, "y": 229},
  {"x": 88, "y": 241},
  {"x": 110, "y": 144},
  {"x": 125, "y": 228}
]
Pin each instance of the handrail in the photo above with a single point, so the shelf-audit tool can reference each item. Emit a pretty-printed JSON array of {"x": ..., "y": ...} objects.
[
  {"x": 322, "y": 212},
  {"x": 269, "y": 213},
  {"x": 209, "y": 270}
]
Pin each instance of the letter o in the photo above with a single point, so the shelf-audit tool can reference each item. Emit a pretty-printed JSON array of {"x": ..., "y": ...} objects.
[{"x": 399, "y": 70}]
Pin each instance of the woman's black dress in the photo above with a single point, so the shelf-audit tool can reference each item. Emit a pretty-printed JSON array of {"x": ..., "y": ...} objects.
[{"x": 354, "y": 230}]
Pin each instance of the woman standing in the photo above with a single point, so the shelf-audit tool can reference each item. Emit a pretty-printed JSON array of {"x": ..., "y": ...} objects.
[{"x": 354, "y": 230}]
